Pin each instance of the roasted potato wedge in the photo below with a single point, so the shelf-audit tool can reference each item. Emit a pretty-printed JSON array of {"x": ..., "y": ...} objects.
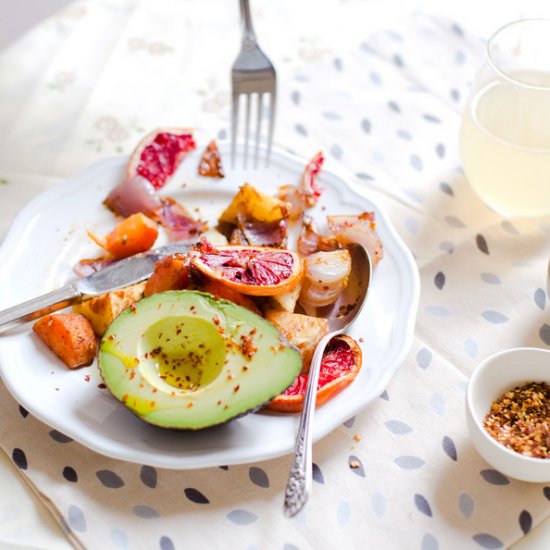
[
  {"x": 303, "y": 331},
  {"x": 101, "y": 310},
  {"x": 249, "y": 202}
]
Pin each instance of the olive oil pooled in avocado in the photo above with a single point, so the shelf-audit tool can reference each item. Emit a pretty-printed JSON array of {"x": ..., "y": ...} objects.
[{"x": 183, "y": 359}]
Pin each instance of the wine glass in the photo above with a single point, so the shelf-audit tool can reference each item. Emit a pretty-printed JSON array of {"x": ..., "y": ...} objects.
[{"x": 505, "y": 131}]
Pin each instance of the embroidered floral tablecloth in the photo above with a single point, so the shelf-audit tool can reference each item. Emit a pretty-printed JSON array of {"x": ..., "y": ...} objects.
[{"x": 386, "y": 110}]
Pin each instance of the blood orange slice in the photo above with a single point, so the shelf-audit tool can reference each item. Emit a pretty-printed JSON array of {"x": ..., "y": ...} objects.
[
  {"x": 251, "y": 270},
  {"x": 158, "y": 154},
  {"x": 341, "y": 363}
]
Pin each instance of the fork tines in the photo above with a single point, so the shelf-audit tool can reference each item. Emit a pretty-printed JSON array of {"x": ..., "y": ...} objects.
[{"x": 258, "y": 88}]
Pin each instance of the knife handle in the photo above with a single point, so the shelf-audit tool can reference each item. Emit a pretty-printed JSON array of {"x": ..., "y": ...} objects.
[{"x": 38, "y": 307}]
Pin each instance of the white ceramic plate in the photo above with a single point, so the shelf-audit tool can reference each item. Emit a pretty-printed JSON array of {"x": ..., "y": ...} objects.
[{"x": 49, "y": 237}]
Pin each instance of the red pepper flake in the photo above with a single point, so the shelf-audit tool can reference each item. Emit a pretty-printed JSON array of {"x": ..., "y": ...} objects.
[
  {"x": 237, "y": 388},
  {"x": 153, "y": 403},
  {"x": 125, "y": 397},
  {"x": 102, "y": 386},
  {"x": 247, "y": 347},
  {"x": 520, "y": 419},
  {"x": 189, "y": 405},
  {"x": 87, "y": 378},
  {"x": 219, "y": 402}
]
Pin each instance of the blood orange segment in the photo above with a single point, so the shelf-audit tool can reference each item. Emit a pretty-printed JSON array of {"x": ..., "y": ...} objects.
[
  {"x": 340, "y": 365},
  {"x": 252, "y": 270},
  {"x": 158, "y": 155}
]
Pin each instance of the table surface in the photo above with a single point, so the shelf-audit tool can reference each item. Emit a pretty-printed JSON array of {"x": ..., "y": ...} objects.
[{"x": 21, "y": 512}]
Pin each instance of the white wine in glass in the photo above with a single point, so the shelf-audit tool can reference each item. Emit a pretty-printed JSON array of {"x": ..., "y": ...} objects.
[{"x": 505, "y": 132}]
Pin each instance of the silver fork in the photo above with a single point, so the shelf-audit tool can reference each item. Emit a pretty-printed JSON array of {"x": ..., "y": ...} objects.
[{"x": 252, "y": 73}]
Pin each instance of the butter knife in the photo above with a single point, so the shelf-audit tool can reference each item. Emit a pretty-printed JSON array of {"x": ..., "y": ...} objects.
[{"x": 123, "y": 273}]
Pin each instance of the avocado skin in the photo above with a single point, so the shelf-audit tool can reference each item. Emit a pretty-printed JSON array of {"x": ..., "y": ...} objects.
[{"x": 187, "y": 360}]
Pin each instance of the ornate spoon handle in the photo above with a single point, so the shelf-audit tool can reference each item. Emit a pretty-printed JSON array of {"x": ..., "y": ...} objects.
[{"x": 299, "y": 481}]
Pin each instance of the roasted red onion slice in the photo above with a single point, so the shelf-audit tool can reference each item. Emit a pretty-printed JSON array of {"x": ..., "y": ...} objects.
[
  {"x": 310, "y": 187},
  {"x": 358, "y": 229},
  {"x": 294, "y": 198},
  {"x": 326, "y": 275},
  {"x": 179, "y": 224},
  {"x": 86, "y": 267},
  {"x": 259, "y": 233},
  {"x": 311, "y": 241},
  {"x": 133, "y": 195}
]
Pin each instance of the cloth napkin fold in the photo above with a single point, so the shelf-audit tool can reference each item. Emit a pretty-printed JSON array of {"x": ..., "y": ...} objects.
[{"x": 386, "y": 110}]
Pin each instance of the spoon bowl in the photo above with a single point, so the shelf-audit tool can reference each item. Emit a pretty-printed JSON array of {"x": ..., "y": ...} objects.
[{"x": 340, "y": 315}]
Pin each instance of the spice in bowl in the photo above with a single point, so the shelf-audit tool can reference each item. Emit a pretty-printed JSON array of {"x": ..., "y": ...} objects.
[{"x": 520, "y": 420}]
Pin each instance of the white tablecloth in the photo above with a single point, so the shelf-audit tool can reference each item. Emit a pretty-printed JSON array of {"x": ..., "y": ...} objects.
[{"x": 385, "y": 107}]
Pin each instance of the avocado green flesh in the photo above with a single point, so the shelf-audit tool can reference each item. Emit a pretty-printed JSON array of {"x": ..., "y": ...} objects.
[{"x": 184, "y": 359}]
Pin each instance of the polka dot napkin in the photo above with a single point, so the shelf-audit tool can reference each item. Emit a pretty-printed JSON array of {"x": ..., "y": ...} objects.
[{"x": 386, "y": 109}]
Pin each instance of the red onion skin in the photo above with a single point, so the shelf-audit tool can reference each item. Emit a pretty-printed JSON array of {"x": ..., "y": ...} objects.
[{"x": 133, "y": 195}]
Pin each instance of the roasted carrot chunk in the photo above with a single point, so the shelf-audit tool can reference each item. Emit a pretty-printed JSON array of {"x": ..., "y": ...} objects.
[
  {"x": 171, "y": 273},
  {"x": 135, "y": 234},
  {"x": 70, "y": 336}
]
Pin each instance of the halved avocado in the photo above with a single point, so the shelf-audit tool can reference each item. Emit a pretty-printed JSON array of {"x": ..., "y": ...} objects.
[{"x": 184, "y": 359}]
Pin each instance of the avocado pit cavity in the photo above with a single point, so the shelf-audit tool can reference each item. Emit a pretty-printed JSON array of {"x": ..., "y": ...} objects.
[{"x": 186, "y": 353}]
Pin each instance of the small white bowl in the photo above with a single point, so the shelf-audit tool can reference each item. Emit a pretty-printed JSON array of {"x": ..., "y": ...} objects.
[{"x": 494, "y": 376}]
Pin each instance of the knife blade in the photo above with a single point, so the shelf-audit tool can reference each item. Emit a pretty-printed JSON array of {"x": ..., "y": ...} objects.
[{"x": 120, "y": 274}]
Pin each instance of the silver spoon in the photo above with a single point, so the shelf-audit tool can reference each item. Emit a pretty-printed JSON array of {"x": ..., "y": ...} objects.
[{"x": 340, "y": 316}]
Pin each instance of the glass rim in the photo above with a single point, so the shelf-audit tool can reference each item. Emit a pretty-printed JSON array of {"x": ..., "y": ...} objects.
[{"x": 494, "y": 65}]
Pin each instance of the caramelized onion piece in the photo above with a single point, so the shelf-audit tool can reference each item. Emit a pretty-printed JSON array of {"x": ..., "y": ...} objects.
[
  {"x": 311, "y": 241},
  {"x": 178, "y": 222},
  {"x": 326, "y": 275},
  {"x": 257, "y": 233},
  {"x": 210, "y": 164},
  {"x": 294, "y": 198},
  {"x": 310, "y": 187},
  {"x": 83, "y": 268},
  {"x": 358, "y": 229}
]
